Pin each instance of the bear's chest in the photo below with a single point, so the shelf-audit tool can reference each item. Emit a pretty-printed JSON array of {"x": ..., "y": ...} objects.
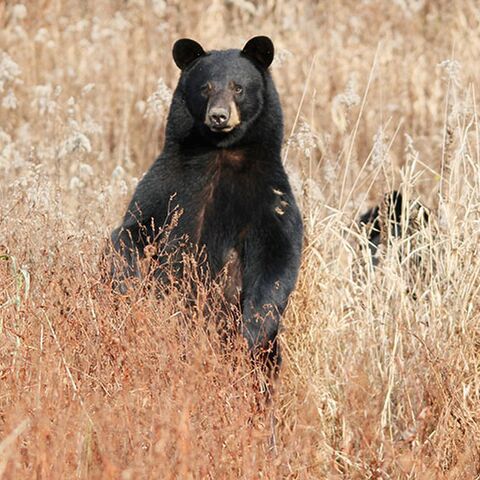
[
  {"x": 223, "y": 210},
  {"x": 225, "y": 203}
]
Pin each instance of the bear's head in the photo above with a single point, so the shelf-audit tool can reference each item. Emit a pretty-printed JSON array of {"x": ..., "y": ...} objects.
[{"x": 224, "y": 91}]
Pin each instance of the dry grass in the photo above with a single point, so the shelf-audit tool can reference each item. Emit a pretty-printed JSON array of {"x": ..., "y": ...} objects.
[{"x": 381, "y": 376}]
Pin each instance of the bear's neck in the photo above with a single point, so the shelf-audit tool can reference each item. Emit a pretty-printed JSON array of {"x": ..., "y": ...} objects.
[{"x": 241, "y": 159}]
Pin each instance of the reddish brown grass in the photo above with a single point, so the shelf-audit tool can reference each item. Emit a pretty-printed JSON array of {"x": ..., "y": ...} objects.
[{"x": 381, "y": 375}]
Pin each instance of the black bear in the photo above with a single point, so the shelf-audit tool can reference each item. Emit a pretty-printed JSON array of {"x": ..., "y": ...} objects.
[
  {"x": 221, "y": 170},
  {"x": 385, "y": 221}
]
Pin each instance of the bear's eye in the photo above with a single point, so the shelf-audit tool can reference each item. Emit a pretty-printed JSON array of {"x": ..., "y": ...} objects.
[
  {"x": 206, "y": 89},
  {"x": 238, "y": 89}
]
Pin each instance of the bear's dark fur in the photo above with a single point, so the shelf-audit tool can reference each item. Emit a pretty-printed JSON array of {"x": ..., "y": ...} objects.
[
  {"x": 221, "y": 170},
  {"x": 384, "y": 222}
]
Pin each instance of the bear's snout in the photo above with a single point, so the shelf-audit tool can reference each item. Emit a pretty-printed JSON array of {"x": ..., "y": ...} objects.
[
  {"x": 218, "y": 117},
  {"x": 222, "y": 114}
]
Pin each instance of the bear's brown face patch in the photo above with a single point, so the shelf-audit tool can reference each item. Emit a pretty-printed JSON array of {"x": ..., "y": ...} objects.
[
  {"x": 234, "y": 115},
  {"x": 222, "y": 114}
]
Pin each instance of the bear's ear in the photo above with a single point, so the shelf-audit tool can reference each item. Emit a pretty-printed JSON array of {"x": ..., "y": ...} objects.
[
  {"x": 185, "y": 51},
  {"x": 259, "y": 49}
]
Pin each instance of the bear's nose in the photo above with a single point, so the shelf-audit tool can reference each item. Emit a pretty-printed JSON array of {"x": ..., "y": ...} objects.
[{"x": 218, "y": 117}]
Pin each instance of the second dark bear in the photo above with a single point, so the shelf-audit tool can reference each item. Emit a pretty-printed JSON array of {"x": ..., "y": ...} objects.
[
  {"x": 392, "y": 219},
  {"x": 221, "y": 170}
]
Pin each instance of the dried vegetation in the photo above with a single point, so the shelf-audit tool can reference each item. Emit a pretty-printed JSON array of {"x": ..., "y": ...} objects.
[{"x": 381, "y": 376}]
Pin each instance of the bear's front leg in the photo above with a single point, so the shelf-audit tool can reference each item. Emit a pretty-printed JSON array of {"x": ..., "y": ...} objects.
[
  {"x": 272, "y": 254},
  {"x": 146, "y": 214},
  {"x": 129, "y": 247}
]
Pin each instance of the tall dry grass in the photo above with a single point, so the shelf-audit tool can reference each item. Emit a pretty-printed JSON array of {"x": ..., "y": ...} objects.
[{"x": 381, "y": 376}]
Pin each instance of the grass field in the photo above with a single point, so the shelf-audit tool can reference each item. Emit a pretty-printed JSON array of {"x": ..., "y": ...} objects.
[{"x": 381, "y": 378}]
